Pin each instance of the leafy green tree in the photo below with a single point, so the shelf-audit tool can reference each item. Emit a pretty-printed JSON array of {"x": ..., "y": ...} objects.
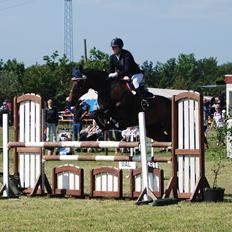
[
  {"x": 149, "y": 75},
  {"x": 1, "y": 64},
  {"x": 97, "y": 60},
  {"x": 224, "y": 69},
  {"x": 51, "y": 80},
  {"x": 10, "y": 86},
  {"x": 166, "y": 73},
  {"x": 11, "y": 74},
  {"x": 186, "y": 72}
]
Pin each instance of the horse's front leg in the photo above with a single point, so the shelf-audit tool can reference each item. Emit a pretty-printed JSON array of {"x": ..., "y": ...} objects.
[
  {"x": 98, "y": 116},
  {"x": 104, "y": 119}
]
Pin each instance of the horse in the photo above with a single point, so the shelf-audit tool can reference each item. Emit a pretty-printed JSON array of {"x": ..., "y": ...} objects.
[{"x": 120, "y": 105}]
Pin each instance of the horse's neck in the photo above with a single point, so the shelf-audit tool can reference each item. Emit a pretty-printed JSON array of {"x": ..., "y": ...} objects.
[
  {"x": 109, "y": 91},
  {"x": 98, "y": 82}
]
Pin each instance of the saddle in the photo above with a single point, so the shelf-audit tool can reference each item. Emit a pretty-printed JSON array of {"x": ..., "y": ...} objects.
[
  {"x": 126, "y": 81},
  {"x": 126, "y": 84}
]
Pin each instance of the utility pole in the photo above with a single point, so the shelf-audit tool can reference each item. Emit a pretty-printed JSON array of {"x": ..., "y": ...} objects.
[
  {"x": 68, "y": 30},
  {"x": 85, "y": 50}
]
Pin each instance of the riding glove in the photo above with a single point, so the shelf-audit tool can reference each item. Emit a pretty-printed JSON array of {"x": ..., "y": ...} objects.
[{"x": 113, "y": 75}]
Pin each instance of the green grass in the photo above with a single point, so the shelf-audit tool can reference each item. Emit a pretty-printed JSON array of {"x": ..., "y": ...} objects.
[
  {"x": 42, "y": 214},
  {"x": 69, "y": 214}
]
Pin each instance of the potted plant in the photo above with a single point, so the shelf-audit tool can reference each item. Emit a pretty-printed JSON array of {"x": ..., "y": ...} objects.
[{"x": 216, "y": 193}]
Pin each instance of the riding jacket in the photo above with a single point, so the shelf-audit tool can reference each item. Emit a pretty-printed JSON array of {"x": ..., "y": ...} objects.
[{"x": 124, "y": 65}]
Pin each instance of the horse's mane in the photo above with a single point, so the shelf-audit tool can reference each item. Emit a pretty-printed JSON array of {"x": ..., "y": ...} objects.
[{"x": 94, "y": 73}]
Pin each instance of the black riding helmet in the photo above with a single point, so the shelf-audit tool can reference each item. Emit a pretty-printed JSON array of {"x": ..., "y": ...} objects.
[{"x": 117, "y": 42}]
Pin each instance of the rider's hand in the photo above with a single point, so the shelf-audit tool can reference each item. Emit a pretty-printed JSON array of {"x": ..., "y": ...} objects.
[{"x": 113, "y": 75}]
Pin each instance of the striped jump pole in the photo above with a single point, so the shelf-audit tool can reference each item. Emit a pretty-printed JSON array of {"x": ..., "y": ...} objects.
[
  {"x": 86, "y": 144},
  {"x": 104, "y": 158},
  {"x": 76, "y": 144}
]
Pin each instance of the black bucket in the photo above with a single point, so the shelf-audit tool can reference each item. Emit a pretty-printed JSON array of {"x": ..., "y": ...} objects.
[{"x": 214, "y": 194}]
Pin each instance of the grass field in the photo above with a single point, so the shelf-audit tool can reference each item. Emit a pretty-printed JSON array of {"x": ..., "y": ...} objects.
[{"x": 69, "y": 214}]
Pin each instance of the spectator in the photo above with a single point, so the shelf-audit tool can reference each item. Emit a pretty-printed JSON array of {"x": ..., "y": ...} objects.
[
  {"x": 64, "y": 136},
  {"x": 131, "y": 134},
  {"x": 3, "y": 110},
  {"x": 51, "y": 119},
  {"x": 212, "y": 106},
  {"x": 91, "y": 133},
  {"x": 222, "y": 101},
  {"x": 206, "y": 111},
  {"x": 79, "y": 111},
  {"x": 9, "y": 108},
  {"x": 219, "y": 119}
]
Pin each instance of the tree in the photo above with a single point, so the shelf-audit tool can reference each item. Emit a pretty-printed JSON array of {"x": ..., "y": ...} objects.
[
  {"x": 186, "y": 72},
  {"x": 224, "y": 69},
  {"x": 149, "y": 75},
  {"x": 97, "y": 60},
  {"x": 208, "y": 70},
  {"x": 50, "y": 80},
  {"x": 166, "y": 73},
  {"x": 11, "y": 74}
]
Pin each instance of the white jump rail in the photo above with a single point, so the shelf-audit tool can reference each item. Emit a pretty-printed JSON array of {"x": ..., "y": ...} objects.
[
  {"x": 105, "y": 158},
  {"x": 85, "y": 144}
]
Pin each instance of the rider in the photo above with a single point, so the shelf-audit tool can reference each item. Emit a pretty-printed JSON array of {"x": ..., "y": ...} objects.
[{"x": 122, "y": 64}]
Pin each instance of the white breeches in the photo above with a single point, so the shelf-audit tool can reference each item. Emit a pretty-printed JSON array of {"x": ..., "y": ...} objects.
[{"x": 136, "y": 79}]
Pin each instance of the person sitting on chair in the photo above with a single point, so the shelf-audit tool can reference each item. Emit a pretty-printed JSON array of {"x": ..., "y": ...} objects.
[
  {"x": 91, "y": 133},
  {"x": 122, "y": 65}
]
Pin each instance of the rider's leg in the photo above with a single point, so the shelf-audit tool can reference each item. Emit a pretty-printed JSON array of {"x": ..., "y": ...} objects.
[{"x": 136, "y": 80}]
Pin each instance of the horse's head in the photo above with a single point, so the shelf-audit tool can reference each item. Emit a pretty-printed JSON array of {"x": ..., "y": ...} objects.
[
  {"x": 83, "y": 80},
  {"x": 79, "y": 86}
]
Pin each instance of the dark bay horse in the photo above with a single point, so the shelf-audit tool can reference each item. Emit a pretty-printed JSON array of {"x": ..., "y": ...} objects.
[{"x": 117, "y": 102}]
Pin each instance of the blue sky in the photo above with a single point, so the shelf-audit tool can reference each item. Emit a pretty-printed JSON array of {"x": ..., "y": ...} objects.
[{"x": 153, "y": 30}]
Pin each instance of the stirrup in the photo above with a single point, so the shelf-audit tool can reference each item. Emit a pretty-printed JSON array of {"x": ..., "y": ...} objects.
[{"x": 144, "y": 104}]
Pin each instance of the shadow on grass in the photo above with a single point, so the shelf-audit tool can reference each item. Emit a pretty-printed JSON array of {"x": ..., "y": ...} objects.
[{"x": 228, "y": 198}]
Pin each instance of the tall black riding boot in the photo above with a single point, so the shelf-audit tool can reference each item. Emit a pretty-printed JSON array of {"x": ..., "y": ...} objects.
[{"x": 144, "y": 102}]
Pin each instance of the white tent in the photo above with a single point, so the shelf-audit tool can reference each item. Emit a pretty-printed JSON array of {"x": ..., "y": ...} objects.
[
  {"x": 168, "y": 93},
  {"x": 90, "y": 95},
  {"x": 91, "y": 98}
]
